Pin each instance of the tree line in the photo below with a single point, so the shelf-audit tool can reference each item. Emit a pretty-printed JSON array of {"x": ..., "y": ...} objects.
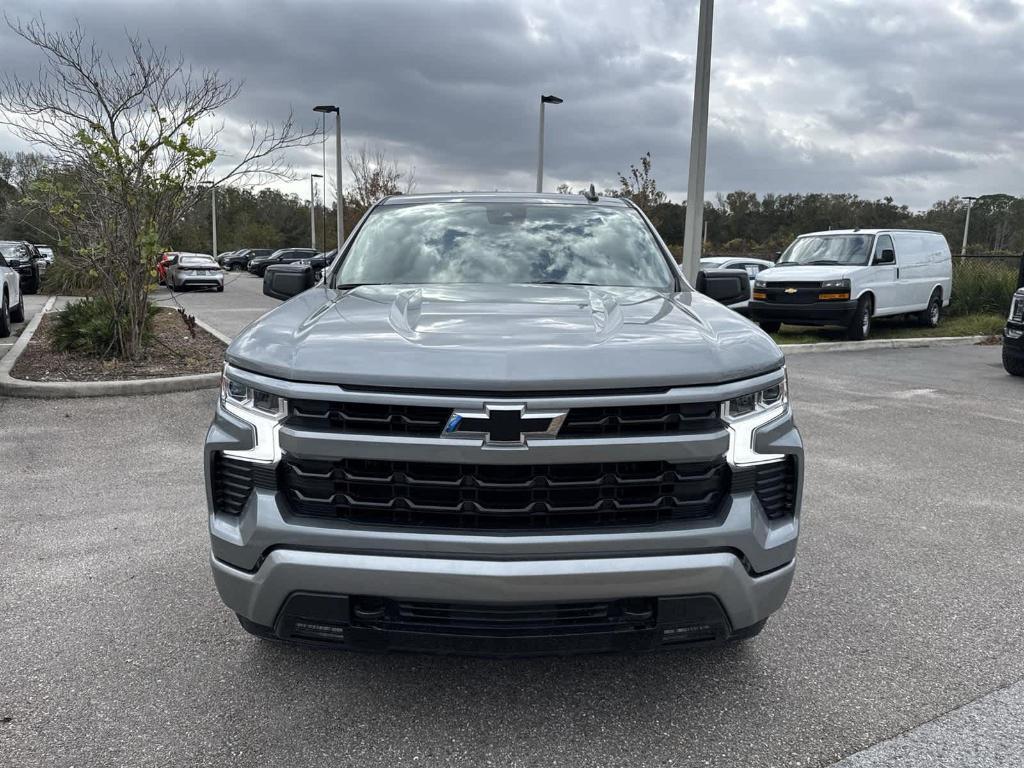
[{"x": 737, "y": 222}]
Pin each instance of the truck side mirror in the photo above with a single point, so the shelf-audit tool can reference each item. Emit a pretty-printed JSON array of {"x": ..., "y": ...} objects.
[
  {"x": 726, "y": 286},
  {"x": 888, "y": 256},
  {"x": 282, "y": 281}
]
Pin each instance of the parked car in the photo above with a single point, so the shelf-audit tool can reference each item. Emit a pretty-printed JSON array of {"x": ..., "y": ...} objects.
[
  {"x": 45, "y": 256},
  {"x": 848, "y": 277},
  {"x": 163, "y": 261},
  {"x": 194, "y": 270},
  {"x": 531, "y": 437},
  {"x": 259, "y": 264},
  {"x": 240, "y": 259},
  {"x": 752, "y": 266},
  {"x": 319, "y": 263},
  {"x": 223, "y": 255},
  {"x": 12, "y": 300},
  {"x": 25, "y": 260},
  {"x": 1013, "y": 336}
]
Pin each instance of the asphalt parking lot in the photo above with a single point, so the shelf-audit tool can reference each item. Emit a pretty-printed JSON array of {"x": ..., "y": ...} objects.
[
  {"x": 907, "y": 604},
  {"x": 241, "y": 302}
]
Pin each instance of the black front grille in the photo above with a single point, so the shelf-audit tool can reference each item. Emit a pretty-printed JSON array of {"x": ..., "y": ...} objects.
[
  {"x": 497, "y": 497},
  {"x": 791, "y": 293},
  {"x": 641, "y": 420},
  {"x": 507, "y": 620},
  {"x": 368, "y": 418},
  {"x": 234, "y": 479},
  {"x": 774, "y": 484},
  {"x": 429, "y": 421}
]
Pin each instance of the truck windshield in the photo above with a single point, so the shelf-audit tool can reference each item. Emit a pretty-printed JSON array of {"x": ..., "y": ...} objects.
[
  {"x": 499, "y": 242},
  {"x": 828, "y": 249}
]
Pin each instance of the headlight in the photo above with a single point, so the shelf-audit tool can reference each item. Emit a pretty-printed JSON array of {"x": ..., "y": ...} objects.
[
  {"x": 755, "y": 403},
  {"x": 1017, "y": 309},
  {"x": 834, "y": 290},
  {"x": 760, "y": 284},
  {"x": 746, "y": 414},
  {"x": 263, "y": 410},
  {"x": 250, "y": 398}
]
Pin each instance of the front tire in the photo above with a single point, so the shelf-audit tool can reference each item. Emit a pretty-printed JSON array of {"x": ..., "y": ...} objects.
[
  {"x": 932, "y": 314},
  {"x": 18, "y": 311},
  {"x": 860, "y": 324},
  {"x": 770, "y": 326},
  {"x": 5, "y": 318},
  {"x": 1013, "y": 365},
  {"x": 220, "y": 289}
]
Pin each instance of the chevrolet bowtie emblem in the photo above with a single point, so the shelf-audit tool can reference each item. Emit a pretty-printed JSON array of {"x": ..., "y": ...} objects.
[
  {"x": 790, "y": 290},
  {"x": 504, "y": 425}
]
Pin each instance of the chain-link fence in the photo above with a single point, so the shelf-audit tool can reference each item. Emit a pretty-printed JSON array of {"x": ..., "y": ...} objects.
[{"x": 984, "y": 284}]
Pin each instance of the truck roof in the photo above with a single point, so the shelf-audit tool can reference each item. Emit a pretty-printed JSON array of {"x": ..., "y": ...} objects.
[{"x": 501, "y": 197}]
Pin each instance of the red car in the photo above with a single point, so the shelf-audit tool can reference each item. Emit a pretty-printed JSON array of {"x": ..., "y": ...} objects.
[{"x": 165, "y": 260}]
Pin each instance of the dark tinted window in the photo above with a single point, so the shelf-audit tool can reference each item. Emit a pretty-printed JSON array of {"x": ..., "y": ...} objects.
[
  {"x": 883, "y": 243},
  {"x": 498, "y": 242}
]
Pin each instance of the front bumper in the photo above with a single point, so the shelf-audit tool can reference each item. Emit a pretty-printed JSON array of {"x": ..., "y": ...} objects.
[
  {"x": 336, "y": 579},
  {"x": 265, "y": 555},
  {"x": 818, "y": 313},
  {"x": 1013, "y": 340}
]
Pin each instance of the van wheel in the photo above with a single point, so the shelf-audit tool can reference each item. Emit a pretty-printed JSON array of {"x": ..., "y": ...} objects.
[
  {"x": 1013, "y": 365},
  {"x": 933, "y": 312},
  {"x": 770, "y": 326},
  {"x": 860, "y": 324}
]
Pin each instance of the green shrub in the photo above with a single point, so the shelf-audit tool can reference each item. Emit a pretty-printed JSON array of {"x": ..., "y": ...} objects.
[
  {"x": 65, "y": 278},
  {"x": 91, "y": 326},
  {"x": 982, "y": 286}
]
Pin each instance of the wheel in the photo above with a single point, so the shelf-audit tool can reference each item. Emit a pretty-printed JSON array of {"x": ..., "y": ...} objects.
[
  {"x": 18, "y": 311},
  {"x": 1013, "y": 365},
  {"x": 931, "y": 314},
  {"x": 220, "y": 289},
  {"x": 32, "y": 286},
  {"x": 233, "y": 267},
  {"x": 5, "y": 318},
  {"x": 748, "y": 632},
  {"x": 860, "y": 325},
  {"x": 257, "y": 630},
  {"x": 160, "y": 280},
  {"x": 770, "y": 326}
]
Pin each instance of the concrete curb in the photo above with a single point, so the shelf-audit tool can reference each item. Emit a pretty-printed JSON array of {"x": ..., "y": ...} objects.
[
  {"x": 854, "y": 346},
  {"x": 12, "y": 387}
]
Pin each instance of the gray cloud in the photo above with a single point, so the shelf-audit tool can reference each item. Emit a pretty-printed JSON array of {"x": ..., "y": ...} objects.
[{"x": 918, "y": 100}]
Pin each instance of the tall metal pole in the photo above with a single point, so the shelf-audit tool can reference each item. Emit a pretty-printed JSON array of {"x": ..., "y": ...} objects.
[
  {"x": 337, "y": 178},
  {"x": 967, "y": 222},
  {"x": 323, "y": 208},
  {"x": 312, "y": 212},
  {"x": 540, "y": 150},
  {"x": 698, "y": 145},
  {"x": 213, "y": 206}
]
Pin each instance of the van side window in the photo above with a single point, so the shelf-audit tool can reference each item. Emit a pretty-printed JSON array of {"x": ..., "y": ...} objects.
[{"x": 883, "y": 243}]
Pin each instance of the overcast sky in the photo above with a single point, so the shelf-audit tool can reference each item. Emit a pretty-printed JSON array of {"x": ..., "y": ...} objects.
[{"x": 918, "y": 99}]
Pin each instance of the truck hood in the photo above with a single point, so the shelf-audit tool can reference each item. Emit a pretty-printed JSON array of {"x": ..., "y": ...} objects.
[
  {"x": 504, "y": 338},
  {"x": 809, "y": 274}
]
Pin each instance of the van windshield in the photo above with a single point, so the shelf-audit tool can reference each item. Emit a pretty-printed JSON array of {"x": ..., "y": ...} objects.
[{"x": 850, "y": 250}]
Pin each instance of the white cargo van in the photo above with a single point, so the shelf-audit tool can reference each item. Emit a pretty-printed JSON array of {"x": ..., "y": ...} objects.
[{"x": 847, "y": 277}]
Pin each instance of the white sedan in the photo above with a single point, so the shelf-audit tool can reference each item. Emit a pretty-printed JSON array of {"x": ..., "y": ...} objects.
[{"x": 12, "y": 303}]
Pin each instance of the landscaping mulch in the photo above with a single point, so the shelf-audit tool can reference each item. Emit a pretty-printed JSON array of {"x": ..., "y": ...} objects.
[{"x": 172, "y": 352}]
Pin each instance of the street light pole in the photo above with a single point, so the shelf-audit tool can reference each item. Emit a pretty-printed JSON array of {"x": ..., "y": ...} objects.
[
  {"x": 312, "y": 210},
  {"x": 967, "y": 221},
  {"x": 325, "y": 109},
  {"x": 213, "y": 213},
  {"x": 698, "y": 145},
  {"x": 540, "y": 140}
]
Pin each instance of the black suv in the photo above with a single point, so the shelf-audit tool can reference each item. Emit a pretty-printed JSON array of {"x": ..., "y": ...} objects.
[
  {"x": 240, "y": 259},
  {"x": 284, "y": 256},
  {"x": 25, "y": 259},
  {"x": 1013, "y": 336}
]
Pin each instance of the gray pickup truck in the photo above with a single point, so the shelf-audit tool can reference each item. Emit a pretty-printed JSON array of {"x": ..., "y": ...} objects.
[{"x": 502, "y": 424}]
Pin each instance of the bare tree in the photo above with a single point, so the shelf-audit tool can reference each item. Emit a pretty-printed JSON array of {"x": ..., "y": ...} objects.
[
  {"x": 372, "y": 175},
  {"x": 131, "y": 141},
  {"x": 640, "y": 186}
]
